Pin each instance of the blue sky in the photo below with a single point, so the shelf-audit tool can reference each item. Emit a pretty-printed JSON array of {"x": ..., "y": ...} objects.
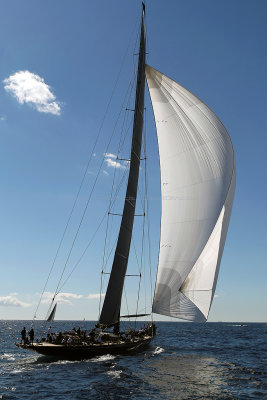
[{"x": 73, "y": 51}]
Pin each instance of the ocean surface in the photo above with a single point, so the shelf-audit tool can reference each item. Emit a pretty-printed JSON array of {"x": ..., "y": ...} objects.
[{"x": 184, "y": 361}]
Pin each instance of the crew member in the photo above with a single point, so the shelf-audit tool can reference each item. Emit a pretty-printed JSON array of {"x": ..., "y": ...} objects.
[
  {"x": 31, "y": 334},
  {"x": 23, "y": 335}
]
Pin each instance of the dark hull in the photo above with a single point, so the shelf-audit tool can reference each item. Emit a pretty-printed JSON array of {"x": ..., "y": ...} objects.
[{"x": 86, "y": 351}]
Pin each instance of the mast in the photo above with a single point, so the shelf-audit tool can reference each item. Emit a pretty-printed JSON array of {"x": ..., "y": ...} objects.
[{"x": 110, "y": 314}]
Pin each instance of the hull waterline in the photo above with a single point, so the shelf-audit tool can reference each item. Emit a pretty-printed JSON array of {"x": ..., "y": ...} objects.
[{"x": 86, "y": 351}]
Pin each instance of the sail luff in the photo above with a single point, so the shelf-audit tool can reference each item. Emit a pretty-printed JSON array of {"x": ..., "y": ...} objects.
[{"x": 110, "y": 313}]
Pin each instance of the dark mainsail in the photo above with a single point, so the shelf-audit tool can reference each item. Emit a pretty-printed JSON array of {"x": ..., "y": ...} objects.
[
  {"x": 110, "y": 313},
  {"x": 52, "y": 314}
]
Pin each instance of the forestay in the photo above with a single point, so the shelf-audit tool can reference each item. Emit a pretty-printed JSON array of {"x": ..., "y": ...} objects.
[{"x": 197, "y": 186}]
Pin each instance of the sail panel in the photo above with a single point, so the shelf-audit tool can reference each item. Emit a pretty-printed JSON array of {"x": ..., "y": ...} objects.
[
  {"x": 197, "y": 185},
  {"x": 200, "y": 284}
]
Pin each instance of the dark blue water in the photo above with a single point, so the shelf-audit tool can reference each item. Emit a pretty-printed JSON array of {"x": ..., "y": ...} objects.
[{"x": 185, "y": 361}]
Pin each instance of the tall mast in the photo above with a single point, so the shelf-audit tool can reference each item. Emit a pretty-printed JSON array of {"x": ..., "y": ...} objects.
[{"x": 110, "y": 314}]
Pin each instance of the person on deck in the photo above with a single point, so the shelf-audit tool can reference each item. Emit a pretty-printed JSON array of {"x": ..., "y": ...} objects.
[
  {"x": 99, "y": 339},
  {"x": 59, "y": 338},
  {"x": 69, "y": 340},
  {"x": 49, "y": 332},
  {"x": 31, "y": 334},
  {"x": 23, "y": 335},
  {"x": 92, "y": 335}
]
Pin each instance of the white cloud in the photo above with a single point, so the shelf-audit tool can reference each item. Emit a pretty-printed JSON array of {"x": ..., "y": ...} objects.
[
  {"x": 95, "y": 296},
  {"x": 61, "y": 298},
  {"x": 112, "y": 162},
  {"x": 105, "y": 172},
  {"x": 110, "y": 155},
  {"x": 3, "y": 118},
  {"x": 12, "y": 301},
  {"x": 30, "y": 88}
]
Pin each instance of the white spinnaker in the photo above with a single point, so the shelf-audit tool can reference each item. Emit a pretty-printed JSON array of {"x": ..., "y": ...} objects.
[{"x": 197, "y": 188}]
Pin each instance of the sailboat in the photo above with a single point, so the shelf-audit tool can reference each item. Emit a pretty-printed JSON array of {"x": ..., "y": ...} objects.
[{"x": 197, "y": 169}]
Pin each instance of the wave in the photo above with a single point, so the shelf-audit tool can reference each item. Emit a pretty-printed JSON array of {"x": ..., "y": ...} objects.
[
  {"x": 7, "y": 356},
  {"x": 106, "y": 357},
  {"x": 158, "y": 350},
  {"x": 115, "y": 374}
]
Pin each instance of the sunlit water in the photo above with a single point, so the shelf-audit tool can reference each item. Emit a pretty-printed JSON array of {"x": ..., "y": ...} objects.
[{"x": 184, "y": 361}]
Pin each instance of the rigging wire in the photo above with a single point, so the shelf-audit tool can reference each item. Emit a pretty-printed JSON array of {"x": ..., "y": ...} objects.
[
  {"x": 83, "y": 215},
  {"x": 93, "y": 237},
  {"x": 86, "y": 170},
  {"x": 146, "y": 178},
  {"x": 147, "y": 214},
  {"x": 89, "y": 199},
  {"x": 142, "y": 253},
  {"x": 113, "y": 197},
  {"x": 126, "y": 301},
  {"x": 120, "y": 146},
  {"x": 127, "y": 130}
]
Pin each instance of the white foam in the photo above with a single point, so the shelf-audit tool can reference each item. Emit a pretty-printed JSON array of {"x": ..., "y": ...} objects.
[
  {"x": 67, "y": 362},
  {"x": 8, "y": 356},
  {"x": 106, "y": 357},
  {"x": 17, "y": 371},
  {"x": 158, "y": 350},
  {"x": 115, "y": 374}
]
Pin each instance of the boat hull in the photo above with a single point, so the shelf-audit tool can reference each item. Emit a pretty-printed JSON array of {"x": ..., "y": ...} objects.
[{"x": 86, "y": 351}]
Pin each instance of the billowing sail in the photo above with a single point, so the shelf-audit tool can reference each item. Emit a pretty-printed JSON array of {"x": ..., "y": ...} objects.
[
  {"x": 197, "y": 187},
  {"x": 52, "y": 314}
]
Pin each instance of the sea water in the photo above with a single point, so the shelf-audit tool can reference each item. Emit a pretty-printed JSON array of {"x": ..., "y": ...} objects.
[{"x": 184, "y": 361}]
